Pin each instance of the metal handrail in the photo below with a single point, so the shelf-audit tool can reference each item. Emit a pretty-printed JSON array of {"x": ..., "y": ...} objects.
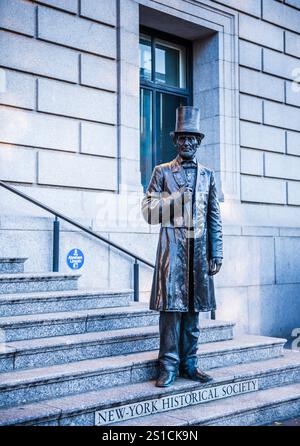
[{"x": 83, "y": 228}]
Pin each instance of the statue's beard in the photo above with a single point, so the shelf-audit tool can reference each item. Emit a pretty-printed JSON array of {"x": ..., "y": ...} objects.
[{"x": 187, "y": 152}]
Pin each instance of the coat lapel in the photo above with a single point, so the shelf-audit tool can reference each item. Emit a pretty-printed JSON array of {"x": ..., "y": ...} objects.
[
  {"x": 179, "y": 175},
  {"x": 196, "y": 212},
  {"x": 200, "y": 177}
]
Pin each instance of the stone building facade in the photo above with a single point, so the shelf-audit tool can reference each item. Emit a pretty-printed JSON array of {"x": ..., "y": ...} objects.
[{"x": 70, "y": 137}]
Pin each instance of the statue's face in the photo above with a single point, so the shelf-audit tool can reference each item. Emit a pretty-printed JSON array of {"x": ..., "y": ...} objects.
[{"x": 187, "y": 145}]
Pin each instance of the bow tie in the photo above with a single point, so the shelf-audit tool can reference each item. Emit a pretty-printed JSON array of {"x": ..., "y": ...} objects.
[{"x": 188, "y": 163}]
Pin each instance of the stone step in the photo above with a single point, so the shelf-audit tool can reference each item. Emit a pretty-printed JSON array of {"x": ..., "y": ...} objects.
[
  {"x": 57, "y": 301},
  {"x": 63, "y": 349},
  {"x": 39, "y": 384},
  {"x": 80, "y": 409},
  {"x": 74, "y": 322},
  {"x": 30, "y": 282},
  {"x": 12, "y": 265}
]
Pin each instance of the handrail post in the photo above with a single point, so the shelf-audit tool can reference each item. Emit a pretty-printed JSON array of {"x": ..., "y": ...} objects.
[
  {"x": 136, "y": 281},
  {"x": 55, "y": 267},
  {"x": 213, "y": 315}
]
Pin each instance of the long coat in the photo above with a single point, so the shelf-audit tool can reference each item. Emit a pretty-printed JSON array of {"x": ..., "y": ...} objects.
[{"x": 170, "y": 285}]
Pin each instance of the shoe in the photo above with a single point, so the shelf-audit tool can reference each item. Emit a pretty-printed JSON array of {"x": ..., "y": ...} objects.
[
  {"x": 166, "y": 378},
  {"x": 196, "y": 375}
]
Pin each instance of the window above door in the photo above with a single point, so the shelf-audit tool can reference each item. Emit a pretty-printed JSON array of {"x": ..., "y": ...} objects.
[
  {"x": 168, "y": 67},
  {"x": 165, "y": 84}
]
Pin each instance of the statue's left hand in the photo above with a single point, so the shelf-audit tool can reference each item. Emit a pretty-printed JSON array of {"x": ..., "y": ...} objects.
[{"x": 215, "y": 266}]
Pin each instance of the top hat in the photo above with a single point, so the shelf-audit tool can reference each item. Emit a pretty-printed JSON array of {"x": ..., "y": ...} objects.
[{"x": 187, "y": 121}]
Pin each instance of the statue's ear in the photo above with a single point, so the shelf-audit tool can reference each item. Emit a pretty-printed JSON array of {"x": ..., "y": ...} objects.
[{"x": 199, "y": 139}]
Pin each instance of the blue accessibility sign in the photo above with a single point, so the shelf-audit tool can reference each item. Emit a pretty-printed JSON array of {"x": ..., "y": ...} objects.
[{"x": 75, "y": 258}]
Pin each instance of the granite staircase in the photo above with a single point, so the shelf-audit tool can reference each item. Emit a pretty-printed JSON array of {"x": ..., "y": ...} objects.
[{"x": 71, "y": 356}]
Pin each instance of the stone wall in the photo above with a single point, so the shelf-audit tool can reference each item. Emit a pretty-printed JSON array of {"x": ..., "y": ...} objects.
[
  {"x": 270, "y": 102},
  {"x": 59, "y": 94}
]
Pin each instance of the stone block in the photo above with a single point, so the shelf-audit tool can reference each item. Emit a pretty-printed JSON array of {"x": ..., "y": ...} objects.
[
  {"x": 17, "y": 15},
  {"x": 76, "y": 32},
  {"x": 292, "y": 44},
  {"x": 279, "y": 64},
  {"x": 210, "y": 75},
  {"x": 293, "y": 143},
  {"x": 260, "y": 32},
  {"x": 295, "y": 3},
  {"x": 129, "y": 16},
  {"x": 262, "y": 137},
  {"x": 281, "y": 115},
  {"x": 130, "y": 79},
  {"x": 263, "y": 190},
  {"x": 232, "y": 229},
  {"x": 130, "y": 143},
  {"x": 210, "y": 49},
  {"x": 98, "y": 72},
  {"x": 281, "y": 15},
  {"x": 129, "y": 47},
  {"x": 143, "y": 245},
  {"x": 65, "y": 5},
  {"x": 17, "y": 89},
  {"x": 250, "y": 108},
  {"x": 262, "y": 85},
  {"x": 293, "y": 92},
  {"x": 12, "y": 162},
  {"x": 130, "y": 111},
  {"x": 38, "y": 57},
  {"x": 282, "y": 166},
  {"x": 34, "y": 244},
  {"x": 118, "y": 213},
  {"x": 250, "y": 55},
  {"x": 260, "y": 230},
  {"x": 249, "y": 6},
  {"x": 211, "y": 129},
  {"x": 53, "y": 132},
  {"x": 287, "y": 252},
  {"x": 100, "y": 10},
  {"x": 232, "y": 305},
  {"x": 77, "y": 171},
  {"x": 257, "y": 267},
  {"x": 210, "y": 102},
  {"x": 76, "y": 101},
  {"x": 274, "y": 309},
  {"x": 130, "y": 175},
  {"x": 98, "y": 139},
  {"x": 290, "y": 232},
  {"x": 294, "y": 193},
  {"x": 252, "y": 162}
]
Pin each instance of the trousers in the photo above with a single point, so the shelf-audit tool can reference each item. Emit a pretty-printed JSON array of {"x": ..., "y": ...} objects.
[{"x": 179, "y": 332}]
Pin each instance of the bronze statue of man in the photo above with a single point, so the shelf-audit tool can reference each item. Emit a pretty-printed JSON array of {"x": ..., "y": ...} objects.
[{"x": 182, "y": 197}]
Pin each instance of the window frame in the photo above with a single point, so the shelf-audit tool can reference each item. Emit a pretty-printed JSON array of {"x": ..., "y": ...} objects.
[{"x": 157, "y": 87}]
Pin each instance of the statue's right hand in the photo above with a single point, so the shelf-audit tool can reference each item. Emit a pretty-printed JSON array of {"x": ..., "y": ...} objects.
[{"x": 183, "y": 195}]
